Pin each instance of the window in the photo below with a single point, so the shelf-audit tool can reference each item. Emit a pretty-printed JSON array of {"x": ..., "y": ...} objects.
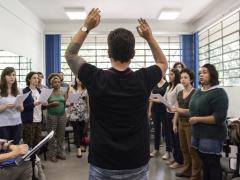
[
  {"x": 22, "y": 65},
  {"x": 94, "y": 51},
  {"x": 219, "y": 45}
]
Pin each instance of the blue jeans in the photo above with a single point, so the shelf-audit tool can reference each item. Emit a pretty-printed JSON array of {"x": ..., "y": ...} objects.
[
  {"x": 96, "y": 173},
  {"x": 208, "y": 146}
]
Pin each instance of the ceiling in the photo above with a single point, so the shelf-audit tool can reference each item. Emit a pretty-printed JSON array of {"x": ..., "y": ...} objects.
[{"x": 127, "y": 10}]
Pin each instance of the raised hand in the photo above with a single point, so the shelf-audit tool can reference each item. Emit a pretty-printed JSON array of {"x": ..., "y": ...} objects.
[
  {"x": 144, "y": 29},
  {"x": 93, "y": 19}
]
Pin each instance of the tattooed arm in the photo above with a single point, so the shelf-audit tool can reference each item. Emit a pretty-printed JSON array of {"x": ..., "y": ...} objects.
[{"x": 74, "y": 61}]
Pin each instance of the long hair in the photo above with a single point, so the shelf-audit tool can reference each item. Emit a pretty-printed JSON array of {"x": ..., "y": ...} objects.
[
  {"x": 176, "y": 81},
  {"x": 3, "y": 83},
  {"x": 213, "y": 74},
  {"x": 75, "y": 85}
]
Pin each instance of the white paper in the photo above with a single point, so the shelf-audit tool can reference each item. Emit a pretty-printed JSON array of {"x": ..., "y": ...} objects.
[
  {"x": 73, "y": 97},
  {"x": 64, "y": 89},
  {"x": 161, "y": 99},
  {"x": 45, "y": 93},
  {"x": 21, "y": 98},
  {"x": 20, "y": 160}
]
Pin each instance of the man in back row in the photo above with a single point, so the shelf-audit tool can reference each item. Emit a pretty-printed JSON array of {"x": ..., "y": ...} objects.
[{"x": 119, "y": 147}]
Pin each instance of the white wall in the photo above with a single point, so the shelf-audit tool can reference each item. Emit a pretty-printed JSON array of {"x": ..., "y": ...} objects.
[
  {"x": 21, "y": 32},
  {"x": 215, "y": 12},
  {"x": 234, "y": 101}
]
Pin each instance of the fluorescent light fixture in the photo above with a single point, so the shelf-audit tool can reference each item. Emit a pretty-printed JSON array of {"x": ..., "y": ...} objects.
[
  {"x": 169, "y": 14},
  {"x": 76, "y": 13}
]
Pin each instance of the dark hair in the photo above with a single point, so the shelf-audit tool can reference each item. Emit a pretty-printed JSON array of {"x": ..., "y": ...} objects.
[
  {"x": 3, "y": 83},
  {"x": 53, "y": 76},
  {"x": 213, "y": 74},
  {"x": 121, "y": 45},
  {"x": 190, "y": 73},
  {"x": 29, "y": 76},
  {"x": 40, "y": 73},
  {"x": 75, "y": 85},
  {"x": 172, "y": 85},
  {"x": 177, "y": 63}
]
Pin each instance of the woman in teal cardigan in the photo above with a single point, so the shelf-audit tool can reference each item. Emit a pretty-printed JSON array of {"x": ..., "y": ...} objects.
[{"x": 208, "y": 110}]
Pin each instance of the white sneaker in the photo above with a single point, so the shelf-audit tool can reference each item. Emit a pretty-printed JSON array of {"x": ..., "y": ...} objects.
[
  {"x": 175, "y": 165},
  {"x": 154, "y": 153},
  {"x": 166, "y": 156}
]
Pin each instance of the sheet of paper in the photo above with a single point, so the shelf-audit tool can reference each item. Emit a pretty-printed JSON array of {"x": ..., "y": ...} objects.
[
  {"x": 64, "y": 89},
  {"x": 73, "y": 97},
  {"x": 45, "y": 93},
  {"x": 21, "y": 98},
  {"x": 161, "y": 99},
  {"x": 20, "y": 160}
]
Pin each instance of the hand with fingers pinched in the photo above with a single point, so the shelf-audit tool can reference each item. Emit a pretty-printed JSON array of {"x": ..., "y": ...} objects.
[
  {"x": 93, "y": 19},
  {"x": 144, "y": 29}
]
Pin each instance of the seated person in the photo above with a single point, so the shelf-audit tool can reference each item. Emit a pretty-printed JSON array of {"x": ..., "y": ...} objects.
[{"x": 8, "y": 151}]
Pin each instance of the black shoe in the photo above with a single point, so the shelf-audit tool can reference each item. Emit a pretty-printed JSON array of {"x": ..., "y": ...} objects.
[{"x": 182, "y": 175}]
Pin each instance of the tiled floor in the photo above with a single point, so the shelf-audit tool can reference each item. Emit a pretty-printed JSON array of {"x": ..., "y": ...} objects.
[{"x": 77, "y": 169}]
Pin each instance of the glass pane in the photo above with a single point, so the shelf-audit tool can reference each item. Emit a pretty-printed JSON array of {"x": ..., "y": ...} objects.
[
  {"x": 230, "y": 29},
  {"x": 232, "y": 64},
  {"x": 215, "y": 29},
  {"x": 203, "y": 42},
  {"x": 232, "y": 82},
  {"x": 231, "y": 38},
  {"x": 216, "y": 44},
  {"x": 203, "y": 56},
  {"x": 203, "y": 49},
  {"x": 215, "y": 36},
  {"x": 216, "y": 52},
  {"x": 203, "y": 35},
  {"x": 216, "y": 59},
  {"x": 231, "y": 47},
  {"x": 231, "y": 56},
  {"x": 231, "y": 19}
]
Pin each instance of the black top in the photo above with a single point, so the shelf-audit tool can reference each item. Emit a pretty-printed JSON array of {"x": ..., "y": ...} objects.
[
  {"x": 28, "y": 104},
  {"x": 118, "y": 115},
  {"x": 205, "y": 103},
  {"x": 184, "y": 104},
  {"x": 159, "y": 107}
]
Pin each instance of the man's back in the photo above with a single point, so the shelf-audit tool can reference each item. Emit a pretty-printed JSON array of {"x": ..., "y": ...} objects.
[{"x": 119, "y": 126}]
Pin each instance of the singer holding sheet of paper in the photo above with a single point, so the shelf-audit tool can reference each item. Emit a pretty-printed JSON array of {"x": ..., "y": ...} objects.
[
  {"x": 157, "y": 112},
  {"x": 32, "y": 114},
  {"x": 56, "y": 118},
  {"x": 79, "y": 115},
  {"x": 172, "y": 140},
  {"x": 10, "y": 117}
]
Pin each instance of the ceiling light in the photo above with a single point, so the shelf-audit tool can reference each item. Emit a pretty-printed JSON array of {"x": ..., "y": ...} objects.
[
  {"x": 169, "y": 14},
  {"x": 76, "y": 13}
]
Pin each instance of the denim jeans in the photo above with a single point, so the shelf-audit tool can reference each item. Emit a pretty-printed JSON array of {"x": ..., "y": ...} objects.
[
  {"x": 96, "y": 173},
  {"x": 209, "y": 152},
  {"x": 208, "y": 146}
]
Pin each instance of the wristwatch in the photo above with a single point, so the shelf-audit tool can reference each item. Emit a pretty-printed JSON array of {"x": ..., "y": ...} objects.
[{"x": 85, "y": 29}]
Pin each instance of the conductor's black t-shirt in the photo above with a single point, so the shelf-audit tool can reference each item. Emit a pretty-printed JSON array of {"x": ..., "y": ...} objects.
[{"x": 119, "y": 136}]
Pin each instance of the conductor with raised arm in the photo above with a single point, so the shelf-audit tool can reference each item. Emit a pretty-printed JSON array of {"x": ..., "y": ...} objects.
[{"x": 119, "y": 147}]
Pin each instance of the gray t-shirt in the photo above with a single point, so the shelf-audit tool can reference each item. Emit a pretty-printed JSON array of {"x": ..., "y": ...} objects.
[{"x": 9, "y": 117}]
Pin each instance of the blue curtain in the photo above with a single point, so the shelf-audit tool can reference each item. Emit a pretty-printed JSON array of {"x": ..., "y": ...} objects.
[
  {"x": 196, "y": 58},
  {"x": 53, "y": 53},
  {"x": 190, "y": 54}
]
